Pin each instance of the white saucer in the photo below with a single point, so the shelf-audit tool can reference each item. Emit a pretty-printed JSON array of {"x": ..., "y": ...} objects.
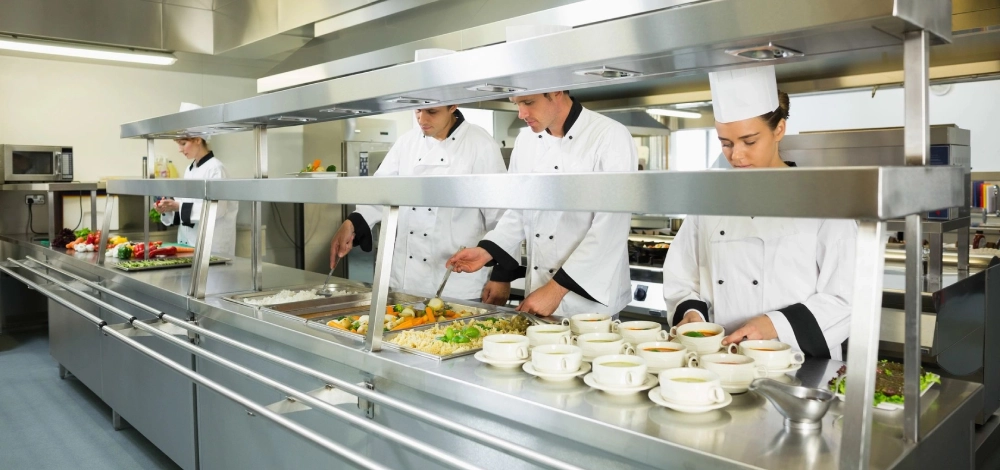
[
  {"x": 777, "y": 372},
  {"x": 499, "y": 363},
  {"x": 654, "y": 395},
  {"x": 650, "y": 382},
  {"x": 733, "y": 388},
  {"x": 555, "y": 376}
]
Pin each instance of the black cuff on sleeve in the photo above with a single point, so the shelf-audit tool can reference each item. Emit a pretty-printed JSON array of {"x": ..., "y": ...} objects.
[
  {"x": 501, "y": 258},
  {"x": 500, "y": 274},
  {"x": 807, "y": 331},
  {"x": 186, "y": 214},
  {"x": 686, "y": 305},
  {"x": 562, "y": 278},
  {"x": 362, "y": 232}
]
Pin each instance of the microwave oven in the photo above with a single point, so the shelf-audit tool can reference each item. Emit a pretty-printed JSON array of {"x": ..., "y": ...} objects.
[{"x": 36, "y": 164}]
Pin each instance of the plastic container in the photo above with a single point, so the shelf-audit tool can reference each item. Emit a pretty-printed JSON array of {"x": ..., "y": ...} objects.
[{"x": 172, "y": 170}]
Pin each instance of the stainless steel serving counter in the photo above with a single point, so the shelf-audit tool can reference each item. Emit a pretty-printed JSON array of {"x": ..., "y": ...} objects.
[{"x": 568, "y": 421}]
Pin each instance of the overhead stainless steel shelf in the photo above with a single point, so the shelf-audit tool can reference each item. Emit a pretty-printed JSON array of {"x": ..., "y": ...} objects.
[
  {"x": 686, "y": 39},
  {"x": 874, "y": 193}
]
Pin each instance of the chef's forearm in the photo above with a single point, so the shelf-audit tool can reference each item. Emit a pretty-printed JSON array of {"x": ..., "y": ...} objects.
[
  {"x": 563, "y": 279},
  {"x": 797, "y": 326},
  {"x": 690, "y": 305},
  {"x": 362, "y": 232}
]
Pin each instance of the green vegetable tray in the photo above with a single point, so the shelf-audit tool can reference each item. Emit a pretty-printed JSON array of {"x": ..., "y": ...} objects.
[
  {"x": 162, "y": 263},
  {"x": 387, "y": 336}
]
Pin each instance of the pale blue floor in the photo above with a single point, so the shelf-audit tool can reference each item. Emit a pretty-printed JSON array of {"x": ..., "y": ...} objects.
[{"x": 49, "y": 423}]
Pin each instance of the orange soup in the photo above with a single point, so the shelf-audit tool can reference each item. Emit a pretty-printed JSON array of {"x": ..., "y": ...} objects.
[{"x": 661, "y": 349}]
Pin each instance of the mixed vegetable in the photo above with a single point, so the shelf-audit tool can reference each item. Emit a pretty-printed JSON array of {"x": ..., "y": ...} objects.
[
  {"x": 398, "y": 317},
  {"x": 888, "y": 382},
  {"x": 160, "y": 263},
  {"x": 85, "y": 240},
  {"x": 317, "y": 165}
]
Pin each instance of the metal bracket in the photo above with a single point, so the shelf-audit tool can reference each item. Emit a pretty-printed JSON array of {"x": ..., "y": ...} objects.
[
  {"x": 364, "y": 404},
  {"x": 203, "y": 249}
]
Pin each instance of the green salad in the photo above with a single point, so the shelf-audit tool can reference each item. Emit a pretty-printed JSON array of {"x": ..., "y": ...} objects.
[{"x": 888, "y": 382}]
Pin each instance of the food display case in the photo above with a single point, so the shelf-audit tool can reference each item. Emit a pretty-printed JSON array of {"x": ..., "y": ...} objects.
[{"x": 271, "y": 390}]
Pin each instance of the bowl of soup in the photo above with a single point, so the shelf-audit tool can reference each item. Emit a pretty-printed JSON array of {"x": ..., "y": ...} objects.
[
  {"x": 691, "y": 386},
  {"x": 663, "y": 355},
  {"x": 700, "y": 337}
]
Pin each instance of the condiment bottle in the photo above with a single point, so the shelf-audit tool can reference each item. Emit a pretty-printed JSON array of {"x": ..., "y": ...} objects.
[{"x": 978, "y": 240}]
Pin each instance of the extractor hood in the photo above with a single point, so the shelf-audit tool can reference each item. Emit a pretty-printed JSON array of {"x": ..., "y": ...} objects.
[{"x": 680, "y": 42}]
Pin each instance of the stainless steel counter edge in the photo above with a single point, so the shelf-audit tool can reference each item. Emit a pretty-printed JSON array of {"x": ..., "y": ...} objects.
[
  {"x": 432, "y": 377},
  {"x": 873, "y": 193}
]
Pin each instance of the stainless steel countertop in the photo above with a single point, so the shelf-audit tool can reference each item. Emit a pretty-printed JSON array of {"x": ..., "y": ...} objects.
[{"x": 749, "y": 433}]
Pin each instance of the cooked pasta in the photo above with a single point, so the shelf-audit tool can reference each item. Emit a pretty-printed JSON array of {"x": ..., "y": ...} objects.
[{"x": 427, "y": 340}]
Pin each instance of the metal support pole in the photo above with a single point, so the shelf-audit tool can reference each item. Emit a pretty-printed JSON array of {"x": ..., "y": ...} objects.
[
  {"x": 150, "y": 155},
  {"x": 935, "y": 262},
  {"x": 93, "y": 209},
  {"x": 383, "y": 267},
  {"x": 256, "y": 211},
  {"x": 866, "y": 315},
  {"x": 962, "y": 245},
  {"x": 109, "y": 205},
  {"x": 203, "y": 249},
  {"x": 52, "y": 217},
  {"x": 916, "y": 142}
]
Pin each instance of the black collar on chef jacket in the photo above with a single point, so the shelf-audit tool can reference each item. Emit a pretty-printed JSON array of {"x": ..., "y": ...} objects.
[
  {"x": 574, "y": 114},
  {"x": 459, "y": 119},
  {"x": 201, "y": 161}
]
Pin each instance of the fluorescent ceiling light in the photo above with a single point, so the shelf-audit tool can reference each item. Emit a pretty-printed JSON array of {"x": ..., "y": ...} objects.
[
  {"x": 86, "y": 51},
  {"x": 673, "y": 113}
]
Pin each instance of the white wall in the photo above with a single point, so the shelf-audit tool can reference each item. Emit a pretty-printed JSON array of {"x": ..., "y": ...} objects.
[
  {"x": 46, "y": 101},
  {"x": 972, "y": 106}
]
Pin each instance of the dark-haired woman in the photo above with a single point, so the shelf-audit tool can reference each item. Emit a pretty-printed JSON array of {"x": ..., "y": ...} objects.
[{"x": 761, "y": 277}]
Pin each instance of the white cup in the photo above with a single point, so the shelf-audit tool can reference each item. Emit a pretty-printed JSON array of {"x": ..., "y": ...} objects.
[
  {"x": 506, "y": 347},
  {"x": 636, "y": 332},
  {"x": 556, "y": 358},
  {"x": 620, "y": 370},
  {"x": 664, "y": 355},
  {"x": 710, "y": 343},
  {"x": 734, "y": 370},
  {"x": 771, "y": 354},
  {"x": 584, "y": 323},
  {"x": 539, "y": 335},
  {"x": 602, "y": 344},
  {"x": 691, "y": 386}
]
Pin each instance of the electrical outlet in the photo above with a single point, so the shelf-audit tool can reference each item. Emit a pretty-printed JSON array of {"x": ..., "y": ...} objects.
[{"x": 35, "y": 199}]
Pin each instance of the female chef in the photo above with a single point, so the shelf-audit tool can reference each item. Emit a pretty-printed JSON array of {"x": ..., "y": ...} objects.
[
  {"x": 761, "y": 277},
  {"x": 203, "y": 167},
  {"x": 444, "y": 143}
]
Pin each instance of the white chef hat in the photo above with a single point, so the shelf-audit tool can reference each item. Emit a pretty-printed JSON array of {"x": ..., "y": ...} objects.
[
  {"x": 743, "y": 93},
  {"x": 185, "y": 106}
]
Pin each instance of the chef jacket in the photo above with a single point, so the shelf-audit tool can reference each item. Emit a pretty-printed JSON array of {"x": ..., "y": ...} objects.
[
  {"x": 798, "y": 272},
  {"x": 224, "y": 239},
  {"x": 585, "y": 252},
  {"x": 426, "y": 237}
]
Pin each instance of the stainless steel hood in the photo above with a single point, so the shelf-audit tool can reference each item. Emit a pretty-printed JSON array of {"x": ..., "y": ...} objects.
[
  {"x": 638, "y": 123},
  {"x": 679, "y": 42}
]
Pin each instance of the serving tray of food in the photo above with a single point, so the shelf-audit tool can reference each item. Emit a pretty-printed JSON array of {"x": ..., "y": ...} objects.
[
  {"x": 888, "y": 384},
  {"x": 307, "y": 299},
  {"x": 456, "y": 338},
  {"x": 136, "y": 265}
]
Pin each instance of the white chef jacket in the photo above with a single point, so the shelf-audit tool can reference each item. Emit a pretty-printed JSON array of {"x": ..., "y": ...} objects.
[
  {"x": 590, "y": 247},
  {"x": 798, "y": 272},
  {"x": 426, "y": 237},
  {"x": 224, "y": 239}
]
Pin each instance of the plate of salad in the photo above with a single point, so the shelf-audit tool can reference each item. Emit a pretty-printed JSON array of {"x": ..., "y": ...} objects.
[
  {"x": 888, "y": 384},
  {"x": 317, "y": 170}
]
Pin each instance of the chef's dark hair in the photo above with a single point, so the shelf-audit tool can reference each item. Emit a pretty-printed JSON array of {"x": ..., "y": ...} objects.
[
  {"x": 774, "y": 117},
  {"x": 546, "y": 95}
]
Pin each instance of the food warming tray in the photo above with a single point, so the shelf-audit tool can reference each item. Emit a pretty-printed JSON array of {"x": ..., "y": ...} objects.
[
  {"x": 343, "y": 296},
  {"x": 387, "y": 337}
]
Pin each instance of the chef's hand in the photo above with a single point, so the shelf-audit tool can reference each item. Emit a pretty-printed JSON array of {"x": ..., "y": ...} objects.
[
  {"x": 692, "y": 316},
  {"x": 342, "y": 243},
  {"x": 759, "y": 327},
  {"x": 167, "y": 205},
  {"x": 469, "y": 260},
  {"x": 496, "y": 293},
  {"x": 545, "y": 300}
]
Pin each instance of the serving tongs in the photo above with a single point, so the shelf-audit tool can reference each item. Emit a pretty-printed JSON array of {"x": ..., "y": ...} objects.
[{"x": 445, "y": 280}]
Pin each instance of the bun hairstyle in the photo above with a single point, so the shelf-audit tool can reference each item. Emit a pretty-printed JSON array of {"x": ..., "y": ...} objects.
[{"x": 774, "y": 117}]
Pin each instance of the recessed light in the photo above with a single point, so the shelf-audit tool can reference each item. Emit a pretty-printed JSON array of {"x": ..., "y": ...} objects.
[
  {"x": 768, "y": 51},
  {"x": 344, "y": 111},
  {"x": 487, "y": 88},
  {"x": 609, "y": 73},
  {"x": 408, "y": 100},
  {"x": 293, "y": 119}
]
